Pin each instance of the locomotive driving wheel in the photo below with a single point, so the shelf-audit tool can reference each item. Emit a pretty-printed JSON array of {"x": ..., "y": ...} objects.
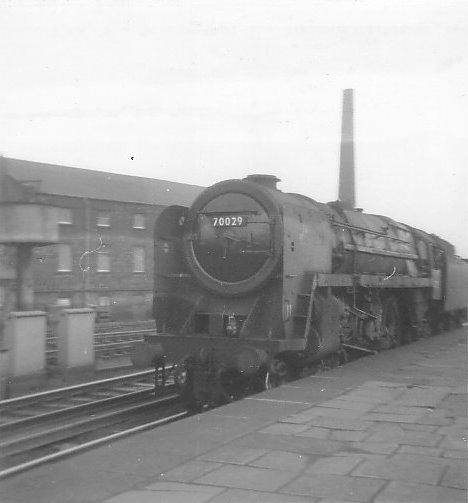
[
  {"x": 278, "y": 373},
  {"x": 261, "y": 381},
  {"x": 390, "y": 325}
]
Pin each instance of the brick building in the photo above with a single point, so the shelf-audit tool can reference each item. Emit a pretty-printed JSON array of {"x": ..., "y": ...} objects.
[{"x": 105, "y": 253}]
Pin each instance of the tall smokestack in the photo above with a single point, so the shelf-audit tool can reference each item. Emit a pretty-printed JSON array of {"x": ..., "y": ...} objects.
[{"x": 346, "y": 192}]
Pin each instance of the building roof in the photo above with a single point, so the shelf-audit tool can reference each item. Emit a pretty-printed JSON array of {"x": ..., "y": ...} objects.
[{"x": 77, "y": 182}]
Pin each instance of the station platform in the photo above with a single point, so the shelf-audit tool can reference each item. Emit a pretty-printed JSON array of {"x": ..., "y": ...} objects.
[{"x": 386, "y": 428}]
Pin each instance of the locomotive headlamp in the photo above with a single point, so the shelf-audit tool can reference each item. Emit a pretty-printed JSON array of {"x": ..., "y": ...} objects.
[
  {"x": 181, "y": 375},
  {"x": 231, "y": 326}
]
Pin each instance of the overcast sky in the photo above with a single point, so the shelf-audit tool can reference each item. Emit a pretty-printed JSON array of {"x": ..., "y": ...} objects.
[{"x": 198, "y": 92}]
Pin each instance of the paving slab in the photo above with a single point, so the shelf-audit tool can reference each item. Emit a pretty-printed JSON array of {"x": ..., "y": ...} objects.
[
  {"x": 247, "y": 477},
  {"x": 168, "y": 492},
  {"x": 349, "y": 435},
  {"x": 454, "y": 430},
  {"x": 291, "y": 443},
  {"x": 190, "y": 471},
  {"x": 456, "y": 476},
  {"x": 410, "y": 468},
  {"x": 422, "y": 396},
  {"x": 244, "y": 496},
  {"x": 456, "y": 454},
  {"x": 338, "y": 423},
  {"x": 283, "y": 460},
  {"x": 309, "y": 415},
  {"x": 370, "y": 447},
  {"x": 334, "y": 465},
  {"x": 315, "y": 432},
  {"x": 282, "y": 428},
  {"x": 418, "y": 427},
  {"x": 439, "y": 417},
  {"x": 233, "y": 454},
  {"x": 422, "y": 451},
  {"x": 348, "y": 404},
  {"x": 335, "y": 486},
  {"x": 406, "y": 492},
  {"x": 386, "y": 417},
  {"x": 400, "y": 409},
  {"x": 395, "y": 434},
  {"x": 454, "y": 442}
]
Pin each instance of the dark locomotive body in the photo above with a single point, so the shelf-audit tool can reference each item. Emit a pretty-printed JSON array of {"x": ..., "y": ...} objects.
[{"x": 252, "y": 282}]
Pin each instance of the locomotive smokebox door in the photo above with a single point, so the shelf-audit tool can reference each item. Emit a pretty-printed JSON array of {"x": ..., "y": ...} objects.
[{"x": 233, "y": 237}]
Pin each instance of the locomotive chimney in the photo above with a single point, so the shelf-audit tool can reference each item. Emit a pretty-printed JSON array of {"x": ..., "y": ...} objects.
[
  {"x": 346, "y": 191},
  {"x": 269, "y": 181}
]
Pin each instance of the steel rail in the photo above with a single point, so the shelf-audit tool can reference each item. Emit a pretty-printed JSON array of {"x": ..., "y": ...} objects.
[
  {"x": 25, "y": 399},
  {"x": 94, "y": 404},
  {"x": 88, "y": 445},
  {"x": 28, "y": 441}
]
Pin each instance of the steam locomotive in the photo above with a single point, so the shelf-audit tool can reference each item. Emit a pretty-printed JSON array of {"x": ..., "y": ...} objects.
[{"x": 252, "y": 284}]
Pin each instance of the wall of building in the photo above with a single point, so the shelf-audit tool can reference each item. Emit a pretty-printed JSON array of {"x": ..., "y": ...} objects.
[
  {"x": 105, "y": 253},
  {"x": 105, "y": 258}
]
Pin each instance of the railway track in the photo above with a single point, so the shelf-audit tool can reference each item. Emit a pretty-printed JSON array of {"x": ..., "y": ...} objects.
[{"x": 46, "y": 426}]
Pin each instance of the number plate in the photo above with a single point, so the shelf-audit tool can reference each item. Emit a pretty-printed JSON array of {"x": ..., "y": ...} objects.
[{"x": 229, "y": 221}]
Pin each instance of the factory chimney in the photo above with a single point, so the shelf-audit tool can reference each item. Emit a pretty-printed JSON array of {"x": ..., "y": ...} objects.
[{"x": 346, "y": 191}]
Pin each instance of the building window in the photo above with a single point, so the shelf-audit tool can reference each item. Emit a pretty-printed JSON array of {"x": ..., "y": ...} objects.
[
  {"x": 138, "y": 260},
  {"x": 103, "y": 219},
  {"x": 2, "y": 296},
  {"x": 64, "y": 258},
  {"x": 103, "y": 262},
  {"x": 65, "y": 216},
  {"x": 138, "y": 221},
  {"x": 4, "y": 257},
  {"x": 104, "y": 302},
  {"x": 103, "y": 309},
  {"x": 422, "y": 250},
  {"x": 63, "y": 302}
]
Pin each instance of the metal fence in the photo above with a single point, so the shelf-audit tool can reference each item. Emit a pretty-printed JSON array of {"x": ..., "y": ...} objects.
[{"x": 111, "y": 340}]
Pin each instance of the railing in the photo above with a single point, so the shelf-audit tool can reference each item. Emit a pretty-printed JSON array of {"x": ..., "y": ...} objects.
[
  {"x": 106, "y": 344},
  {"x": 114, "y": 344}
]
